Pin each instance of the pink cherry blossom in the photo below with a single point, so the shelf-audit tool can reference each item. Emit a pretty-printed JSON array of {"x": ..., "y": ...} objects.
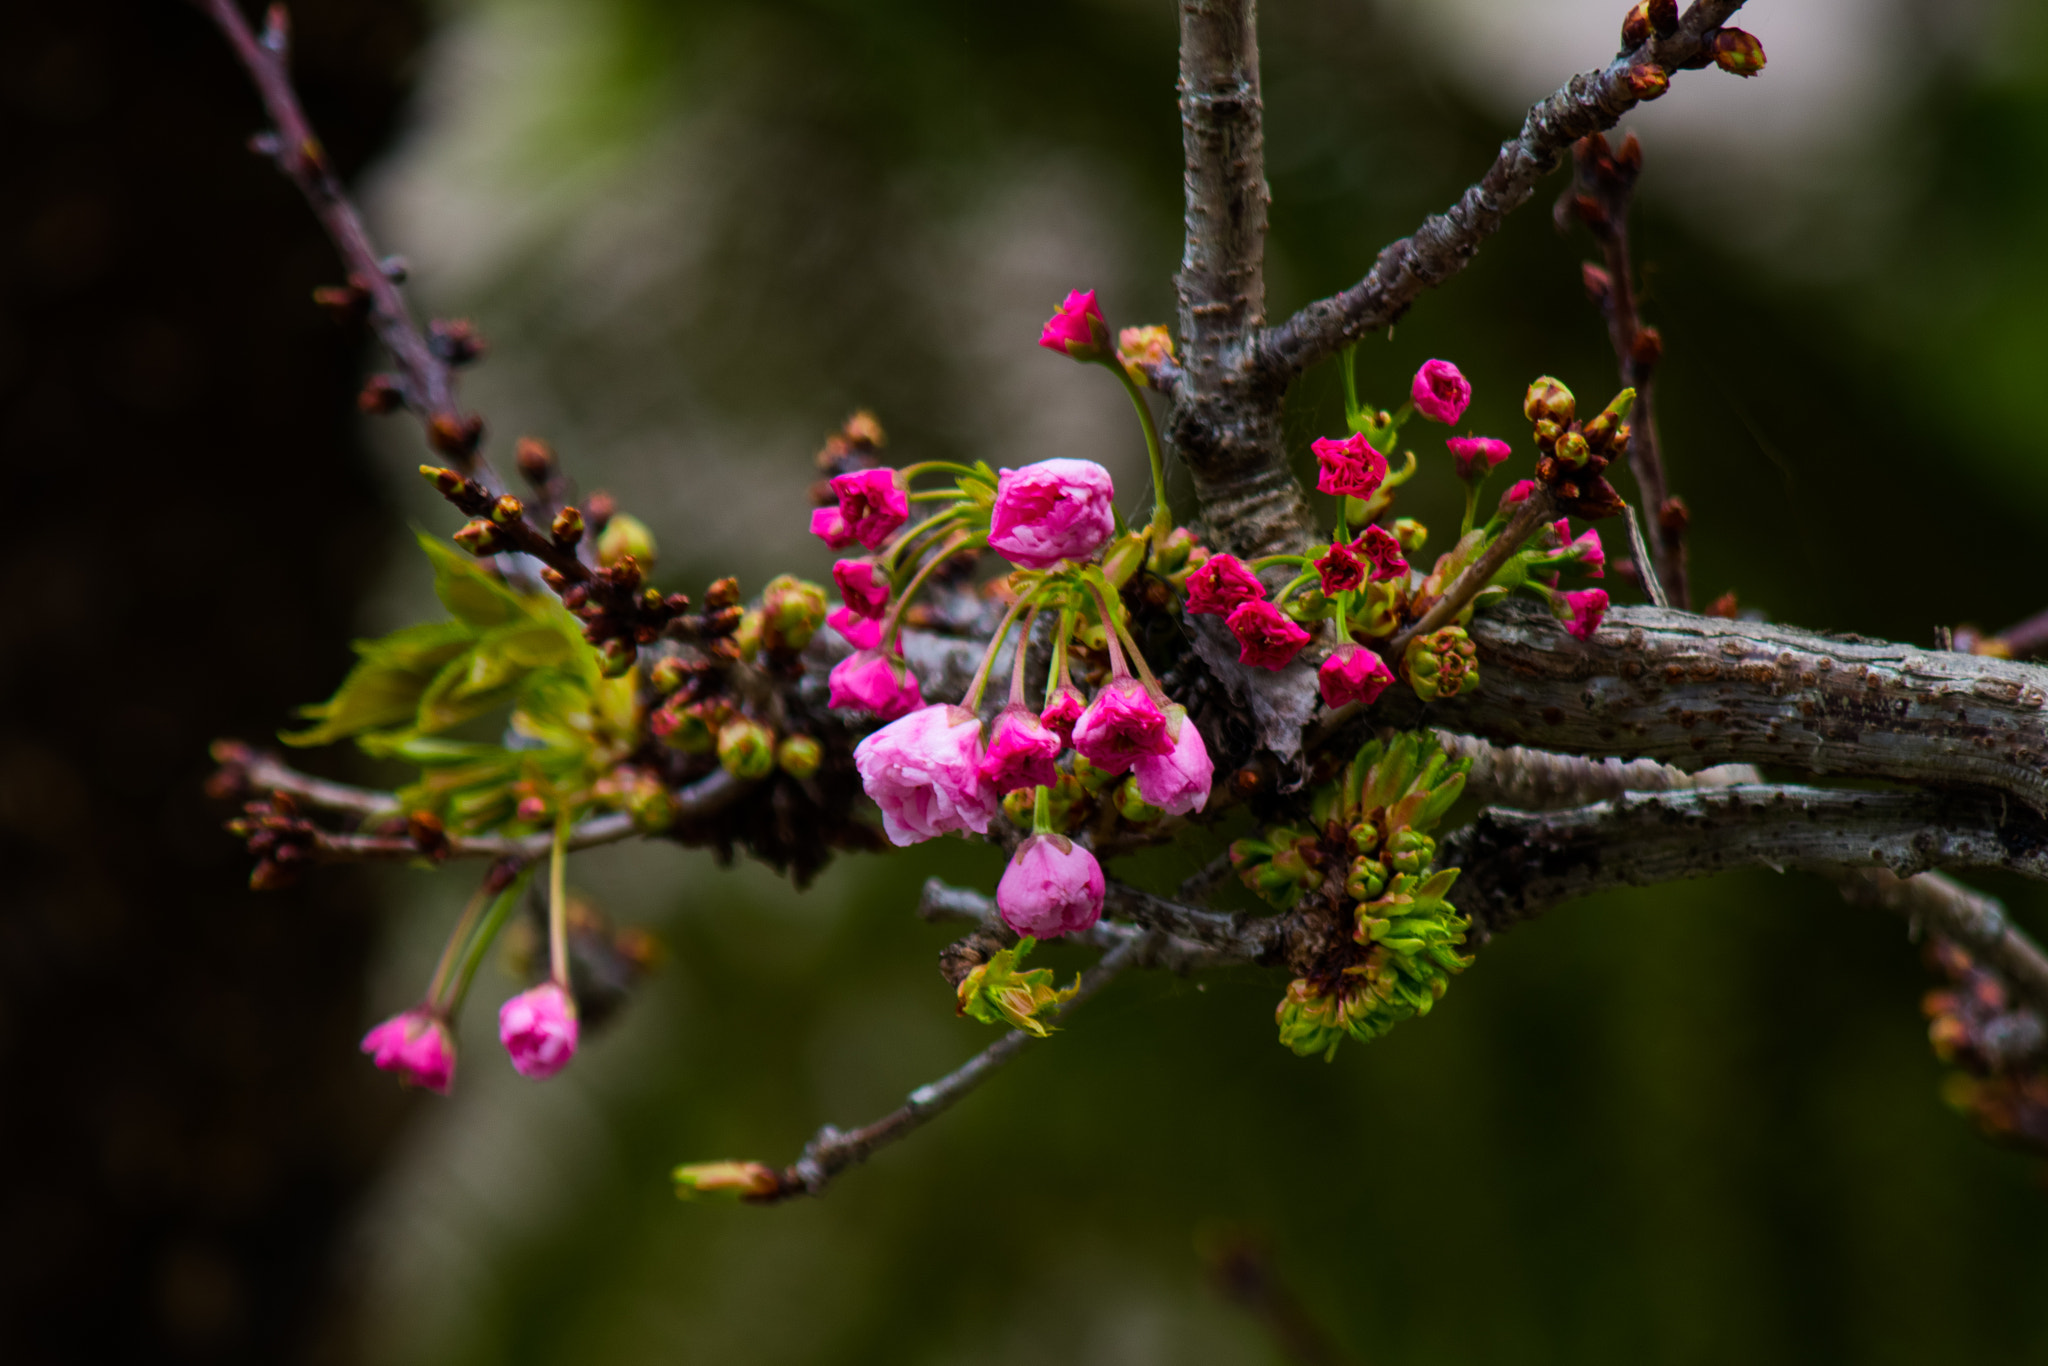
[
  {"x": 1352, "y": 674},
  {"x": 873, "y": 504},
  {"x": 417, "y": 1046},
  {"x": 539, "y": 1029},
  {"x": 1583, "y": 610},
  {"x": 1476, "y": 456},
  {"x": 862, "y": 586},
  {"x": 1062, "y": 710},
  {"x": 1077, "y": 328},
  {"x": 1021, "y": 751},
  {"x": 1350, "y": 468},
  {"x": 1440, "y": 392},
  {"x": 1051, "y": 511},
  {"x": 1384, "y": 551},
  {"x": 1220, "y": 585},
  {"x": 1518, "y": 493},
  {"x": 1266, "y": 639},
  {"x": 872, "y": 681},
  {"x": 1592, "y": 556},
  {"x": 829, "y": 526},
  {"x": 1179, "y": 782},
  {"x": 1123, "y": 724},
  {"x": 862, "y": 633},
  {"x": 1052, "y": 887},
  {"x": 924, "y": 772}
]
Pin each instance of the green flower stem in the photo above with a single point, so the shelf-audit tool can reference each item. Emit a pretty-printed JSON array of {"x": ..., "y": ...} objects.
[
  {"x": 928, "y": 525},
  {"x": 955, "y": 542},
  {"x": 1116, "y": 631},
  {"x": 1352, "y": 412},
  {"x": 459, "y": 936},
  {"x": 1023, "y": 649},
  {"x": 1268, "y": 561},
  {"x": 988, "y": 658},
  {"x": 1162, "y": 520},
  {"x": 1056, "y": 676},
  {"x": 558, "y": 903},
  {"x": 1301, "y": 580},
  {"x": 1471, "y": 509},
  {"x": 1041, "y": 811},
  {"x": 935, "y": 495},
  {"x": 486, "y": 935},
  {"x": 910, "y": 472}
]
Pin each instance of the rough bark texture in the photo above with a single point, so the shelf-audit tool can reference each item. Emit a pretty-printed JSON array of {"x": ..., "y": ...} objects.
[{"x": 1697, "y": 691}]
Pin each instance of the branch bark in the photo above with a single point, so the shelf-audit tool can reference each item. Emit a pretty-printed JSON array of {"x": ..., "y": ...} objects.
[{"x": 1589, "y": 103}]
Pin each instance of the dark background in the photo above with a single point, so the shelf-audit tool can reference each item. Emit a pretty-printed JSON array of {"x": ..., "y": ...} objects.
[{"x": 1687, "y": 1124}]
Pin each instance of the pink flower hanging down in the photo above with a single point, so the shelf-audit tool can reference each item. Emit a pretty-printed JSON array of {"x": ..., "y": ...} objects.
[
  {"x": 1021, "y": 751},
  {"x": 539, "y": 1029},
  {"x": 417, "y": 1046},
  {"x": 1179, "y": 782},
  {"x": 1440, "y": 392},
  {"x": 1587, "y": 549},
  {"x": 1052, "y": 887},
  {"x": 1122, "y": 725},
  {"x": 1384, "y": 551},
  {"x": 862, "y": 586},
  {"x": 924, "y": 772},
  {"x": 1266, "y": 639},
  {"x": 872, "y": 681},
  {"x": 1220, "y": 585},
  {"x": 1062, "y": 710},
  {"x": 1051, "y": 511},
  {"x": 1476, "y": 456},
  {"x": 862, "y": 633},
  {"x": 1350, "y": 468},
  {"x": 1584, "y": 609},
  {"x": 1353, "y": 674},
  {"x": 1339, "y": 570},
  {"x": 1077, "y": 328},
  {"x": 873, "y": 504},
  {"x": 1518, "y": 493},
  {"x": 829, "y": 526}
]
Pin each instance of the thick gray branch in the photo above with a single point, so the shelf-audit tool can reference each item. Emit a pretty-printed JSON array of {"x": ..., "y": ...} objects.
[{"x": 1589, "y": 103}]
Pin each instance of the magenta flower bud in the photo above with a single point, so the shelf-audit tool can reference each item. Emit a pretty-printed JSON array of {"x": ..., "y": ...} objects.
[
  {"x": 829, "y": 526},
  {"x": 871, "y": 681},
  {"x": 1122, "y": 725},
  {"x": 1178, "y": 782},
  {"x": 417, "y": 1046},
  {"x": 1062, "y": 710},
  {"x": 1350, "y": 468},
  {"x": 1220, "y": 585},
  {"x": 1518, "y": 493},
  {"x": 862, "y": 586},
  {"x": 1582, "y": 611},
  {"x": 1021, "y": 751},
  {"x": 1266, "y": 639},
  {"x": 1384, "y": 551},
  {"x": 538, "y": 1028},
  {"x": 862, "y": 633},
  {"x": 1440, "y": 392},
  {"x": 873, "y": 504},
  {"x": 1592, "y": 555},
  {"x": 1051, "y": 511},
  {"x": 1476, "y": 456},
  {"x": 1052, "y": 887},
  {"x": 1353, "y": 674},
  {"x": 924, "y": 771},
  {"x": 1077, "y": 328},
  {"x": 1339, "y": 570}
]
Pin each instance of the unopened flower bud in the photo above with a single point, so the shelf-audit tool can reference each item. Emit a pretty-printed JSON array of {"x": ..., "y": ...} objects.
[
  {"x": 617, "y": 657},
  {"x": 625, "y": 536},
  {"x": 1367, "y": 879},
  {"x": 1737, "y": 51},
  {"x": 1122, "y": 559},
  {"x": 649, "y": 802},
  {"x": 536, "y": 460},
  {"x": 1648, "y": 348},
  {"x": 381, "y": 395},
  {"x": 1548, "y": 398},
  {"x": 1132, "y": 806},
  {"x": 1410, "y": 851},
  {"x": 507, "y": 510},
  {"x": 1410, "y": 534},
  {"x": 539, "y": 1029},
  {"x": 417, "y": 1046},
  {"x": 1646, "y": 81},
  {"x": 568, "y": 526},
  {"x": 1635, "y": 28},
  {"x": 792, "y": 610},
  {"x": 1599, "y": 284},
  {"x": 478, "y": 538},
  {"x": 455, "y": 340},
  {"x": 1171, "y": 555},
  {"x": 746, "y": 748},
  {"x": 1573, "y": 450},
  {"x": 446, "y": 482},
  {"x": 722, "y": 593},
  {"x": 746, "y": 637},
  {"x": 455, "y": 435},
  {"x": 799, "y": 756},
  {"x": 1663, "y": 17},
  {"x": 1443, "y": 663},
  {"x": 668, "y": 674},
  {"x": 1077, "y": 328},
  {"x": 737, "y": 1179}
]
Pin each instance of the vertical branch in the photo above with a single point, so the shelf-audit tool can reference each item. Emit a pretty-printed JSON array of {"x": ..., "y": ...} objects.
[
  {"x": 1226, "y": 425},
  {"x": 1603, "y": 185}
]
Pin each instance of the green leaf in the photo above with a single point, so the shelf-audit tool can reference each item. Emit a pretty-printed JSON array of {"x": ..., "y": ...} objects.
[
  {"x": 467, "y": 591},
  {"x": 385, "y": 687}
]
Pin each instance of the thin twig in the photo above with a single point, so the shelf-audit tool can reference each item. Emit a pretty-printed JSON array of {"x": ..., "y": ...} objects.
[
  {"x": 942, "y": 901},
  {"x": 253, "y": 768},
  {"x": 1534, "y": 511},
  {"x": 833, "y": 1150},
  {"x": 1588, "y": 103}
]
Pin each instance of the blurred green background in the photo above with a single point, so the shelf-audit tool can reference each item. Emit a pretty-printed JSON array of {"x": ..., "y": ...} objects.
[{"x": 1696, "y": 1123}]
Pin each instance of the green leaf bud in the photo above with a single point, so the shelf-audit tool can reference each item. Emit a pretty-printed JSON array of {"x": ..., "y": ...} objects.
[
  {"x": 479, "y": 538},
  {"x": 746, "y": 748},
  {"x": 1367, "y": 880},
  {"x": 1410, "y": 851},
  {"x": 799, "y": 756},
  {"x": 733, "y": 1179},
  {"x": 1170, "y": 556},
  {"x": 997, "y": 992},
  {"x": 624, "y": 535},
  {"x": 507, "y": 510},
  {"x": 667, "y": 674},
  {"x": 1548, "y": 398},
  {"x": 568, "y": 526},
  {"x": 651, "y": 805},
  {"x": 1410, "y": 533},
  {"x": 1133, "y": 807},
  {"x": 792, "y": 610},
  {"x": 746, "y": 637},
  {"x": 1125, "y": 554},
  {"x": 617, "y": 657}
]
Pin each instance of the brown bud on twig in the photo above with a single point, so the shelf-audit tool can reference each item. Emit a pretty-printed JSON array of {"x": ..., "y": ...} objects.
[
  {"x": 1647, "y": 350},
  {"x": 1635, "y": 28},
  {"x": 1724, "y": 607},
  {"x": 478, "y": 538},
  {"x": 507, "y": 510},
  {"x": 1737, "y": 51},
  {"x": 722, "y": 594},
  {"x": 381, "y": 396},
  {"x": 347, "y": 303},
  {"x": 1663, "y": 17},
  {"x": 1646, "y": 81},
  {"x": 455, "y": 435},
  {"x": 568, "y": 527},
  {"x": 536, "y": 460},
  {"x": 1674, "y": 517},
  {"x": 455, "y": 340},
  {"x": 424, "y": 829},
  {"x": 1599, "y": 284},
  {"x": 598, "y": 509}
]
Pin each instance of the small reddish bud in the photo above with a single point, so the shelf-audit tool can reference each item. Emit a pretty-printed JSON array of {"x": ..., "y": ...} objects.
[
  {"x": 1646, "y": 81},
  {"x": 1647, "y": 349},
  {"x": 455, "y": 340},
  {"x": 536, "y": 460},
  {"x": 345, "y": 302},
  {"x": 381, "y": 396},
  {"x": 722, "y": 594},
  {"x": 455, "y": 435},
  {"x": 1674, "y": 517},
  {"x": 507, "y": 510},
  {"x": 1599, "y": 284},
  {"x": 446, "y": 482},
  {"x": 1737, "y": 51},
  {"x": 478, "y": 538},
  {"x": 864, "y": 430},
  {"x": 424, "y": 829},
  {"x": 1725, "y": 607},
  {"x": 1635, "y": 29},
  {"x": 1663, "y": 17},
  {"x": 599, "y": 508},
  {"x": 568, "y": 526},
  {"x": 554, "y": 578}
]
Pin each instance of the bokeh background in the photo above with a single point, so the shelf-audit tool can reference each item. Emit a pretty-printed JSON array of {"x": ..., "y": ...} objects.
[{"x": 1696, "y": 1123}]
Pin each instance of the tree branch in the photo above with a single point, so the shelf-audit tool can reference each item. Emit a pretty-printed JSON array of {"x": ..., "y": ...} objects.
[{"x": 1588, "y": 103}]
